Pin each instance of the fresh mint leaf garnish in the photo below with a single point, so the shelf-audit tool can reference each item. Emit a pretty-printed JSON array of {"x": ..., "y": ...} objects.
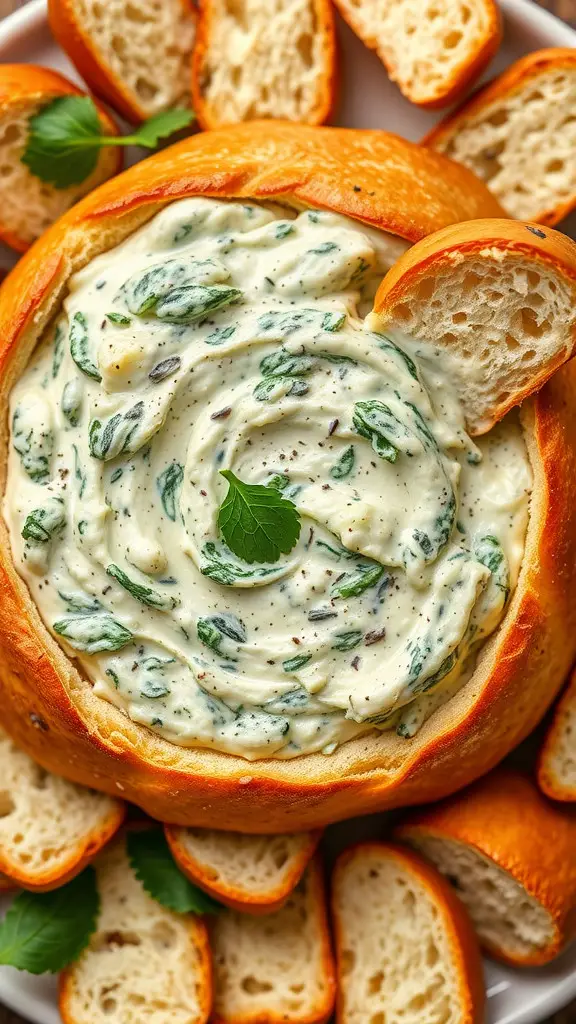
[
  {"x": 45, "y": 931},
  {"x": 257, "y": 522},
  {"x": 65, "y": 137},
  {"x": 154, "y": 866}
]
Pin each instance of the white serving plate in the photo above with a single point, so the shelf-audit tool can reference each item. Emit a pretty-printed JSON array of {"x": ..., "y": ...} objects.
[{"x": 369, "y": 100}]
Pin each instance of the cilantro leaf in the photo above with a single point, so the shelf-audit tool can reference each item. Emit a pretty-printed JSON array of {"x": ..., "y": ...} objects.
[
  {"x": 257, "y": 522},
  {"x": 45, "y": 931},
  {"x": 65, "y": 137},
  {"x": 154, "y": 866}
]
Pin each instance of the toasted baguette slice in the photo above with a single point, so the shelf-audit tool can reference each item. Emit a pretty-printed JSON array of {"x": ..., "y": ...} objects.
[
  {"x": 405, "y": 949},
  {"x": 557, "y": 763},
  {"x": 254, "y": 59},
  {"x": 135, "y": 54},
  {"x": 49, "y": 828},
  {"x": 254, "y": 874},
  {"x": 511, "y": 856},
  {"x": 498, "y": 298},
  {"x": 432, "y": 50},
  {"x": 143, "y": 964},
  {"x": 27, "y": 205},
  {"x": 519, "y": 135},
  {"x": 275, "y": 968}
]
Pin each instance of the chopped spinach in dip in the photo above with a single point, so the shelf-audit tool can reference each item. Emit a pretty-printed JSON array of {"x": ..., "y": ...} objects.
[{"x": 228, "y": 336}]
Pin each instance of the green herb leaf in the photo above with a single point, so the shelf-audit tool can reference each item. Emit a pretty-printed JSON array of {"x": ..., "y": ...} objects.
[
  {"x": 345, "y": 464},
  {"x": 257, "y": 523},
  {"x": 219, "y": 569},
  {"x": 168, "y": 484},
  {"x": 146, "y": 595},
  {"x": 154, "y": 866},
  {"x": 71, "y": 403},
  {"x": 65, "y": 136},
  {"x": 119, "y": 319},
  {"x": 42, "y": 523},
  {"x": 45, "y": 931},
  {"x": 93, "y": 633},
  {"x": 351, "y": 584},
  {"x": 79, "y": 342},
  {"x": 347, "y": 640},
  {"x": 376, "y": 422},
  {"x": 297, "y": 662}
]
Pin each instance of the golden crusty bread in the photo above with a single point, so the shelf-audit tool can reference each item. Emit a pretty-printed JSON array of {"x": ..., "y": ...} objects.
[
  {"x": 510, "y": 854},
  {"x": 518, "y": 134},
  {"x": 557, "y": 762},
  {"x": 433, "y": 51},
  {"x": 135, "y": 56},
  {"x": 255, "y": 59},
  {"x": 27, "y": 205},
  {"x": 253, "y": 874},
  {"x": 405, "y": 948},
  {"x": 403, "y": 190}
]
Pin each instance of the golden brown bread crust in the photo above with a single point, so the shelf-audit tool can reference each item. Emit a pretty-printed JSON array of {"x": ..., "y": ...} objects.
[
  {"x": 49, "y": 707},
  {"x": 327, "y": 86},
  {"x": 511, "y": 81},
  {"x": 506, "y": 819},
  {"x": 28, "y": 85}
]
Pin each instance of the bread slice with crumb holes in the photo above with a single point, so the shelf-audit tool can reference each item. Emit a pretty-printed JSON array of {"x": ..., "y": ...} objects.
[
  {"x": 278, "y": 967},
  {"x": 134, "y": 54},
  {"x": 497, "y": 298},
  {"x": 254, "y": 874},
  {"x": 432, "y": 50},
  {"x": 405, "y": 948},
  {"x": 557, "y": 762},
  {"x": 28, "y": 205},
  {"x": 254, "y": 59},
  {"x": 49, "y": 828},
  {"x": 144, "y": 964},
  {"x": 509, "y": 853},
  {"x": 518, "y": 134}
]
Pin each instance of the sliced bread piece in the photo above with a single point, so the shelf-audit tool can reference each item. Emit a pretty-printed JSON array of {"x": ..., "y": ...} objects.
[
  {"x": 278, "y": 967},
  {"x": 557, "y": 763},
  {"x": 406, "y": 952},
  {"x": 256, "y": 59},
  {"x": 254, "y": 874},
  {"x": 144, "y": 964},
  {"x": 497, "y": 298},
  {"x": 27, "y": 204},
  {"x": 135, "y": 54},
  {"x": 510, "y": 855},
  {"x": 49, "y": 828},
  {"x": 518, "y": 134},
  {"x": 432, "y": 50}
]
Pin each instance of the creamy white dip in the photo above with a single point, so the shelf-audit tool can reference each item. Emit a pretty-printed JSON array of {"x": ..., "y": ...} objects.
[{"x": 221, "y": 336}]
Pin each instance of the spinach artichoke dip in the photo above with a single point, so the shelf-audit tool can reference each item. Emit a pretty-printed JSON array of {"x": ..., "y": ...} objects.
[{"x": 258, "y": 524}]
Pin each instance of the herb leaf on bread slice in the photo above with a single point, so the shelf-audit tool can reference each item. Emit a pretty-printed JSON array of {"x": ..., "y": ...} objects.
[{"x": 155, "y": 867}]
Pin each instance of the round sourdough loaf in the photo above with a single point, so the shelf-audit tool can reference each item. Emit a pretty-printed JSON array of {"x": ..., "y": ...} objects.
[{"x": 49, "y": 707}]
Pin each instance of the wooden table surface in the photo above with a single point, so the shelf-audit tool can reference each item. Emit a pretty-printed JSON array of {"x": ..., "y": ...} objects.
[{"x": 565, "y": 9}]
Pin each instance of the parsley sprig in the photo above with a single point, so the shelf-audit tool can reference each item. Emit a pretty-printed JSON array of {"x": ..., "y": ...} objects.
[
  {"x": 256, "y": 521},
  {"x": 65, "y": 138}
]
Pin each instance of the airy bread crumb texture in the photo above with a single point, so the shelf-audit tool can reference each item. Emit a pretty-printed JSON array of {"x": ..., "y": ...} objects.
[
  {"x": 146, "y": 44},
  {"x": 506, "y": 918},
  {"x": 264, "y": 58},
  {"x": 523, "y": 145},
  {"x": 501, "y": 322},
  {"x": 396, "y": 964},
  {"x": 256, "y": 866},
  {"x": 143, "y": 964},
  {"x": 423, "y": 44},
  {"x": 273, "y": 967},
  {"x": 46, "y": 823},
  {"x": 28, "y": 205},
  {"x": 559, "y": 755}
]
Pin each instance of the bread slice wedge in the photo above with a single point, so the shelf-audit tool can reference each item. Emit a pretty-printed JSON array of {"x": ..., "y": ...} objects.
[
  {"x": 253, "y": 874},
  {"x": 278, "y": 967},
  {"x": 510, "y": 855},
  {"x": 134, "y": 54},
  {"x": 432, "y": 50},
  {"x": 254, "y": 59},
  {"x": 405, "y": 948},
  {"x": 497, "y": 298},
  {"x": 518, "y": 134},
  {"x": 27, "y": 205},
  {"x": 49, "y": 828},
  {"x": 144, "y": 964},
  {"x": 557, "y": 762}
]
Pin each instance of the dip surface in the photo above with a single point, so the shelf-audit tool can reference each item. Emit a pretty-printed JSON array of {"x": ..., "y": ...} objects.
[{"x": 229, "y": 336}]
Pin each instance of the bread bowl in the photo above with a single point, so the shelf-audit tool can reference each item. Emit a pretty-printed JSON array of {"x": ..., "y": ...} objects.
[{"x": 392, "y": 185}]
